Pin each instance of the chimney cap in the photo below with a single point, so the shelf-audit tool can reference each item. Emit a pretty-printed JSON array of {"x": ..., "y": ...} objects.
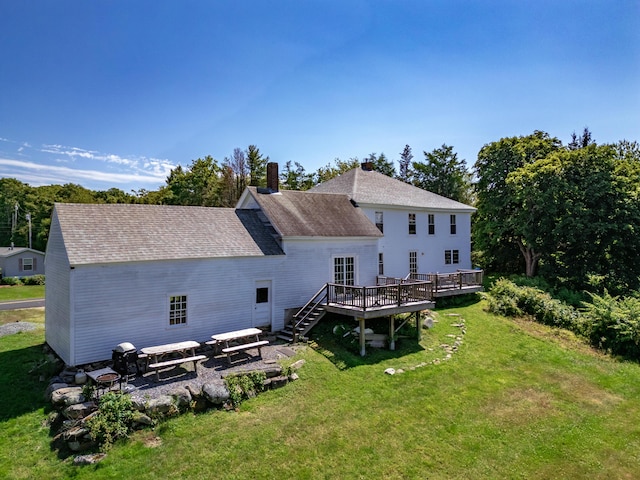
[{"x": 367, "y": 166}]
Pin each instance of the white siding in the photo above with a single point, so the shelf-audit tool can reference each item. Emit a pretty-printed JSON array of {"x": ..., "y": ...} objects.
[
  {"x": 129, "y": 302},
  {"x": 310, "y": 265},
  {"x": 397, "y": 242},
  {"x": 57, "y": 295}
]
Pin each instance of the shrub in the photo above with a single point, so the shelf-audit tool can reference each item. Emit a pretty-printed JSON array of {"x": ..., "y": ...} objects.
[
  {"x": 11, "y": 281},
  {"x": 113, "y": 420},
  {"x": 242, "y": 387},
  {"x": 506, "y": 298},
  {"x": 33, "y": 280},
  {"x": 613, "y": 324}
]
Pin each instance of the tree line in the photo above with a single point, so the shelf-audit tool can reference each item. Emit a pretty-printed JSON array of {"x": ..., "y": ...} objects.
[
  {"x": 568, "y": 212},
  {"x": 208, "y": 182}
]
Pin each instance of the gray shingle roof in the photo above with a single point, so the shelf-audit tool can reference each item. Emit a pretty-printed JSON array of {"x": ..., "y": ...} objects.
[
  {"x": 374, "y": 188},
  {"x": 305, "y": 214},
  {"x": 122, "y": 232},
  {"x": 8, "y": 251}
]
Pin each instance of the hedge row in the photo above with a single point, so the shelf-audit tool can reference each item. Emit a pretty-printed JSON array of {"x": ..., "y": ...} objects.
[
  {"x": 31, "y": 280},
  {"x": 507, "y": 298}
]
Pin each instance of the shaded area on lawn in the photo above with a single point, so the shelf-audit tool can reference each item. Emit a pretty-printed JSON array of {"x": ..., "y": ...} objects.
[
  {"x": 343, "y": 349},
  {"x": 24, "y": 371}
]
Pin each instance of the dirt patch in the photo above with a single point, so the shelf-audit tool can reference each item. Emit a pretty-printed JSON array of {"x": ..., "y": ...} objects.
[{"x": 520, "y": 406}]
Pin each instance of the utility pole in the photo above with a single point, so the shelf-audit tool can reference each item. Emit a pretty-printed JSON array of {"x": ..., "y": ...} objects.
[
  {"x": 14, "y": 219},
  {"x": 28, "y": 216}
]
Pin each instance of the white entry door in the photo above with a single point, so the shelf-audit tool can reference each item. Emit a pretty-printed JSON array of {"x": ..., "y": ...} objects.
[{"x": 262, "y": 304}]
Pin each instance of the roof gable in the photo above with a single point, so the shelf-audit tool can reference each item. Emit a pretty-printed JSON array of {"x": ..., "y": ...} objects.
[
  {"x": 10, "y": 251},
  {"x": 375, "y": 188},
  {"x": 305, "y": 214},
  {"x": 109, "y": 233}
]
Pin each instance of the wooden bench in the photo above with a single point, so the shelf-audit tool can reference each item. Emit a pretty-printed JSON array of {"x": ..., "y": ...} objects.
[
  {"x": 245, "y": 346},
  {"x": 176, "y": 361}
]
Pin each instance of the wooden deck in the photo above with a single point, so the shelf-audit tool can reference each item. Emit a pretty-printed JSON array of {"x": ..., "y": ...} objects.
[
  {"x": 391, "y": 296},
  {"x": 380, "y": 300}
]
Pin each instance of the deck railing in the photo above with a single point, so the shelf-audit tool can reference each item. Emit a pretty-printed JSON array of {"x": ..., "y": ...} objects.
[
  {"x": 439, "y": 281},
  {"x": 395, "y": 294}
]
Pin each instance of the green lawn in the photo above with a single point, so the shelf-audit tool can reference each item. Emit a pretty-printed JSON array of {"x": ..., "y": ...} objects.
[
  {"x": 517, "y": 400},
  {"x": 21, "y": 292}
]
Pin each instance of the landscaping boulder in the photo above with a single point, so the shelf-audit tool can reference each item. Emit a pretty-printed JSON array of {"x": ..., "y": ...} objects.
[
  {"x": 53, "y": 386},
  {"x": 79, "y": 410},
  {"x": 66, "y": 396},
  {"x": 164, "y": 404},
  {"x": 141, "y": 420},
  {"x": 182, "y": 397},
  {"x": 276, "y": 382},
  {"x": 216, "y": 392},
  {"x": 89, "y": 459}
]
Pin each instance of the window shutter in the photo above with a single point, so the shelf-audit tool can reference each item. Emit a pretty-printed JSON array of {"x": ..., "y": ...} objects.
[
  {"x": 34, "y": 263},
  {"x": 20, "y": 264}
]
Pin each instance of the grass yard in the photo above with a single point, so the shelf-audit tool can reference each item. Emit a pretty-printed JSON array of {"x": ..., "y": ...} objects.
[
  {"x": 517, "y": 400},
  {"x": 20, "y": 292}
]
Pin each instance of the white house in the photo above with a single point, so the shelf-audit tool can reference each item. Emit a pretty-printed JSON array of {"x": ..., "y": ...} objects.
[
  {"x": 423, "y": 232},
  {"x": 149, "y": 274},
  {"x": 21, "y": 262}
]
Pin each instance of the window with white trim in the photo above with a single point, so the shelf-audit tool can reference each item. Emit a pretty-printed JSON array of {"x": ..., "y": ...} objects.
[
  {"x": 412, "y": 224},
  {"x": 452, "y": 222},
  {"x": 432, "y": 224},
  {"x": 380, "y": 264},
  {"x": 413, "y": 262},
  {"x": 177, "y": 310},
  {"x": 380, "y": 221},
  {"x": 344, "y": 272},
  {"x": 27, "y": 264},
  {"x": 451, "y": 257}
]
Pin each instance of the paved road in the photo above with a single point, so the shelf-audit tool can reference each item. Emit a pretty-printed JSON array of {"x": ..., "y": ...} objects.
[{"x": 15, "y": 304}]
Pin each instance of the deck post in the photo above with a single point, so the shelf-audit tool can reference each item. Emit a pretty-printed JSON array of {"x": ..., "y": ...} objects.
[
  {"x": 418, "y": 326},
  {"x": 362, "y": 337},
  {"x": 392, "y": 333}
]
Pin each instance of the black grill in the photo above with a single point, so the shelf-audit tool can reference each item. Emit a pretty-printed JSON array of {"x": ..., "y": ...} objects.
[{"x": 125, "y": 360}]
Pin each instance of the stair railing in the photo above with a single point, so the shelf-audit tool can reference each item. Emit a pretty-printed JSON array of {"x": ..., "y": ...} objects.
[{"x": 322, "y": 293}]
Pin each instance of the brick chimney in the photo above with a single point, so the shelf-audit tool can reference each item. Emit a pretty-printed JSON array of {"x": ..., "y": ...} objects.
[
  {"x": 272, "y": 177},
  {"x": 367, "y": 166}
]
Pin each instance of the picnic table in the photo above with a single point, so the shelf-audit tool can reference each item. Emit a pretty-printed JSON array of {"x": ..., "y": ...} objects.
[
  {"x": 250, "y": 334},
  {"x": 186, "y": 350}
]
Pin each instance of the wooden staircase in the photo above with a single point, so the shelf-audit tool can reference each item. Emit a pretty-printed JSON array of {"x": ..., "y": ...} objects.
[{"x": 306, "y": 318}]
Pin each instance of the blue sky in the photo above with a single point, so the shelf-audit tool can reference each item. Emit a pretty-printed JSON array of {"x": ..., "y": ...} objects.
[{"x": 116, "y": 93}]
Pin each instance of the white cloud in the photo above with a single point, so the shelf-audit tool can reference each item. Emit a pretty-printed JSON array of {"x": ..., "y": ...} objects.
[
  {"x": 56, "y": 164},
  {"x": 57, "y": 174}
]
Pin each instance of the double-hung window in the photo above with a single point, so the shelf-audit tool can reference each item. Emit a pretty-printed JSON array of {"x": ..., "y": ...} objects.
[
  {"x": 177, "y": 310},
  {"x": 27, "y": 264},
  {"x": 452, "y": 222},
  {"x": 432, "y": 224},
  {"x": 380, "y": 264},
  {"x": 412, "y": 224},
  {"x": 451, "y": 257},
  {"x": 380, "y": 221}
]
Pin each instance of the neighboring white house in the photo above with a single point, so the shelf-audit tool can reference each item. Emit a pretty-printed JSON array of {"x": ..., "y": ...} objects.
[
  {"x": 423, "y": 232},
  {"x": 151, "y": 274},
  {"x": 21, "y": 262}
]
